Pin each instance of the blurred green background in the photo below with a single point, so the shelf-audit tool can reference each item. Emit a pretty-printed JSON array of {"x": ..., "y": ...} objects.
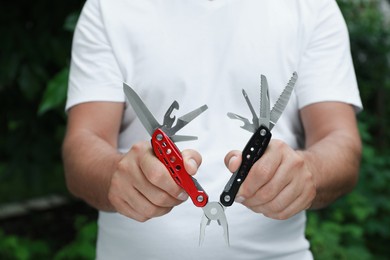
[{"x": 35, "y": 42}]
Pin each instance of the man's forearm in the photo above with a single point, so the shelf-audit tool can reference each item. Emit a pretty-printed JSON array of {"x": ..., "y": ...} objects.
[
  {"x": 334, "y": 162},
  {"x": 89, "y": 163}
]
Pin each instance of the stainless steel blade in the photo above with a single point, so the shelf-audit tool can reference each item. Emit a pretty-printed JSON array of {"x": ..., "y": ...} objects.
[
  {"x": 247, "y": 125},
  {"x": 143, "y": 113},
  {"x": 255, "y": 119},
  {"x": 181, "y": 138},
  {"x": 282, "y": 101},
  {"x": 168, "y": 120},
  {"x": 264, "y": 118},
  {"x": 184, "y": 120},
  {"x": 214, "y": 211},
  {"x": 203, "y": 224}
]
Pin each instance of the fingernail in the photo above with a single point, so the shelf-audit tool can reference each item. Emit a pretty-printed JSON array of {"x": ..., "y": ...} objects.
[
  {"x": 232, "y": 160},
  {"x": 182, "y": 196},
  {"x": 240, "y": 199},
  {"x": 193, "y": 164}
]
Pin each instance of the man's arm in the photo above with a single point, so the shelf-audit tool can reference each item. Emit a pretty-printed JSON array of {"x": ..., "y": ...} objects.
[
  {"x": 89, "y": 151},
  {"x": 135, "y": 184},
  {"x": 284, "y": 182},
  {"x": 333, "y": 149}
]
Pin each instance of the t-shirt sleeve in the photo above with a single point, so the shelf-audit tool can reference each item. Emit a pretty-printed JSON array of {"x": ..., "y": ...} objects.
[
  {"x": 326, "y": 71},
  {"x": 94, "y": 72}
]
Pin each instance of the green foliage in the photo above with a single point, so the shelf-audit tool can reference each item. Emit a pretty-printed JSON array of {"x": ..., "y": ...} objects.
[
  {"x": 14, "y": 247},
  {"x": 35, "y": 52},
  {"x": 17, "y": 248},
  {"x": 356, "y": 226},
  {"x": 55, "y": 93},
  {"x": 83, "y": 247}
]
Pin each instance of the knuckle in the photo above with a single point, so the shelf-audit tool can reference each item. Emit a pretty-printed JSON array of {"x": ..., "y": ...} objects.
[
  {"x": 274, "y": 208},
  {"x": 162, "y": 200},
  {"x": 150, "y": 211},
  {"x": 308, "y": 178},
  {"x": 122, "y": 166},
  {"x": 279, "y": 144},
  {"x": 155, "y": 177},
  {"x": 113, "y": 198},
  {"x": 298, "y": 162},
  {"x": 138, "y": 147},
  {"x": 245, "y": 191},
  {"x": 266, "y": 194},
  {"x": 142, "y": 220},
  {"x": 281, "y": 216},
  {"x": 256, "y": 209},
  {"x": 276, "y": 215},
  {"x": 264, "y": 173}
]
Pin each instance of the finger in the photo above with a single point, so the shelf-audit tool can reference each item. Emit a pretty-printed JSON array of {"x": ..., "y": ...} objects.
[
  {"x": 305, "y": 189},
  {"x": 123, "y": 208},
  {"x": 260, "y": 174},
  {"x": 137, "y": 178},
  {"x": 156, "y": 174},
  {"x": 276, "y": 205},
  {"x": 270, "y": 190},
  {"x": 141, "y": 208},
  {"x": 303, "y": 202},
  {"x": 233, "y": 160},
  {"x": 157, "y": 196},
  {"x": 128, "y": 201},
  {"x": 276, "y": 208},
  {"x": 282, "y": 209},
  {"x": 146, "y": 208},
  {"x": 192, "y": 160},
  {"x": 131, "y": 203},
  {"x": 299, "y": 182}
]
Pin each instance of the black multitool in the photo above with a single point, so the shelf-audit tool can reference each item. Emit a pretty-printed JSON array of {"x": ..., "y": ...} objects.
[{"x": 261, "y": 128}]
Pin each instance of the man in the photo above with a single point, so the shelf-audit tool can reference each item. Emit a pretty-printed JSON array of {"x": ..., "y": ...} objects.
[{"x": 204, "y": 52}]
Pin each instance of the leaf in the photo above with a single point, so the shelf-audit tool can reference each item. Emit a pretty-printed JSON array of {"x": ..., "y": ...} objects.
[
  {"x": 55, "y": 93},
  {"x": 71, "y": 21}
]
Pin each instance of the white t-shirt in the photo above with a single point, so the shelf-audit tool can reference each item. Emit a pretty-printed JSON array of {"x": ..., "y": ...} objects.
[{"x": 204, "y": 52}]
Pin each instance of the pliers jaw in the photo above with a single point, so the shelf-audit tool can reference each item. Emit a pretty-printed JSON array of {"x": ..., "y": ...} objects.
[{"x": 214, "y": 211}]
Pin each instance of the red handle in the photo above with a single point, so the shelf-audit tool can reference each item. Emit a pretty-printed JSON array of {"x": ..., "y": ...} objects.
[{"x": 167, "y": 152}]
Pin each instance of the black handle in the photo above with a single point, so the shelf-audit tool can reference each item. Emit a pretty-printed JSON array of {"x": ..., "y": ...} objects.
[{"x": 253, "y": 150}]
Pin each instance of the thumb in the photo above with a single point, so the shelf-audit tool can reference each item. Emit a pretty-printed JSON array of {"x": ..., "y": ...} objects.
[
  {"x": 233, "y": 160},
  {"x": 192, "y": 160}
]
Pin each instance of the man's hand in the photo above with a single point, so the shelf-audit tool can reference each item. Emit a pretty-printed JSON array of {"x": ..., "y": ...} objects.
[
  {"x": 135, "y": 184},
  {"x": 284, "y": 182},
  {"x": 279, "y": 185},
  {"x": 142, "y": 188}
]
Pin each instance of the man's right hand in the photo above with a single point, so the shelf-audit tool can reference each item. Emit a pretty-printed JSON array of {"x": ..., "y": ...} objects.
[
  {"x": 141, "y": 188},
  {"x": 135, "y": 184}
]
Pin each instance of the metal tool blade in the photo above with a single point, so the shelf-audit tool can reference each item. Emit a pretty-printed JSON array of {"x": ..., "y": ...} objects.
[
  {"x": 247, "y": 125},
  {"x": 282, "y": 101},
  {"x": 182, "y": 138},
  {"x": 255, "y": 119},
  {"x": 168, "y": 120},
  {"x": 214, "y": 211},
  {"x": 203, "y": 223},
  {"x": 143, "y": 113},
  {"x": 264, "y": 118},
  {"x": 184, "y": 120}
]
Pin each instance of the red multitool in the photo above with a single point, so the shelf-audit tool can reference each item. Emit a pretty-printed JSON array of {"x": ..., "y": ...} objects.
[{"x": 163, "y": 138}]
